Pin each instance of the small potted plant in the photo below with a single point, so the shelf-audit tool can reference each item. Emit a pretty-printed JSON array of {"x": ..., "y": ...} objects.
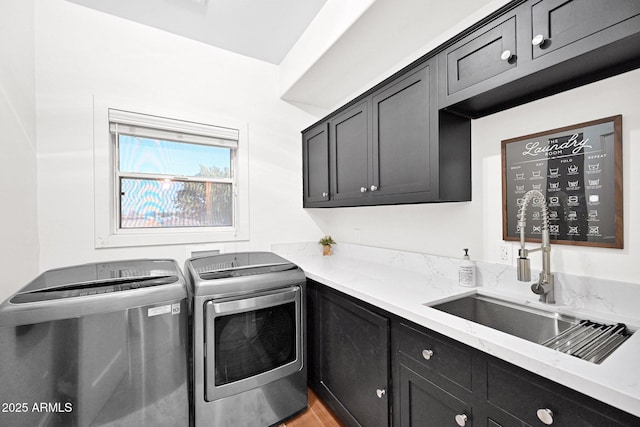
[{"x": 326, "y": 243}]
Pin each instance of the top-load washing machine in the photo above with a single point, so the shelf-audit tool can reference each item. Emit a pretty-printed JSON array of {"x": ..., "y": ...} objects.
[
  {"x": 249, "y": 366},
  {"x": 101, "y": 344}
]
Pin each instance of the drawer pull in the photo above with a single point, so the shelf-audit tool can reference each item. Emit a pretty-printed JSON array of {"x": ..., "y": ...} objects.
[
  {"x": 507, "y": 55},
  {"x": 538, "y": 40},
  {"x": 374, "y": 188},
  {"x": 461, "y": 419},
  {"x": 380, "y": 393},
  {"x": 427, "y": 354},
  {"x": 545, "y": 415},
  {"x": 325, "y": 194},
  {"x": 363, "y": 189}
]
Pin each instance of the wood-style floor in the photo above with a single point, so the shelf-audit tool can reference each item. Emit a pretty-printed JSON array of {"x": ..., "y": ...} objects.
[{"x": 316, "y": 415}]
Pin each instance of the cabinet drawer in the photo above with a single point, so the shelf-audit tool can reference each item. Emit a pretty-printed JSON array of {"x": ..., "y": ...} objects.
[
  {"x": 522, "y": 397},
  {"x": 481, "y": 56},
  {"x": 559, "y": 23},
  {"x": 440, "y": 356}
]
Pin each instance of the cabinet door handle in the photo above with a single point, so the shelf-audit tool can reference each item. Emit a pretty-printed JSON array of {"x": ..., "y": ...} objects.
[
  {"x": 507, "y": 55},
  {"x": 374, "y": 188},
  {"x": 427, "y": 354},
  {"x": 363, "y": 189},
  {"x": 325, "y": 194},
  {"x": 380, "y": 393},
  {"x": 545, "y": 415},
  {"x": 461, "y": 419},
  {"x": 538, "y": 40}
]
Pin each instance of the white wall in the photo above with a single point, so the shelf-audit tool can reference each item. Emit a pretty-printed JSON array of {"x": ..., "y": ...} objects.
[
  {"x": 443, "y": 229},
  {"x": 81, "y": 53},
  {"x": 19, "y": 230},
  {"x": 617, "y": 95}
]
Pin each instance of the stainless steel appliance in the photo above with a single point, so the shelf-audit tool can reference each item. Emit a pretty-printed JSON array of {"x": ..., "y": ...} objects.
[
  {"x": 249, "y": 365},
  {"x": 102, "y": 344}
]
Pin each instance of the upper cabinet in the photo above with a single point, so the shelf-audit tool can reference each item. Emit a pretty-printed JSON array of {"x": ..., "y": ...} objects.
[
  {"x": 385, "y": 148},
  {"x": 546, "y": 46},
  {"x": 482, "y": 60},
  {"x": 404, "y": 139},
  {"x": 408, "y": 139},
  {"x": 315, "y": 154},
  {"x": 568, "y": 24},
  {"x": 349, "y": 142}
]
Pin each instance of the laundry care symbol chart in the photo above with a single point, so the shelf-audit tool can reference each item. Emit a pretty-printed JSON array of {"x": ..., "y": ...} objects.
[{"x": 578, "y": 169}]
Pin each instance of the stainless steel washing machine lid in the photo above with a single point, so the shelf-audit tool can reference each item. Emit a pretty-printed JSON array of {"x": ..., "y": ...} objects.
[
  {"x": 238, "y": 273},
  {"x": 239, "y": 264},
  {"x": 93, "y": 288}
]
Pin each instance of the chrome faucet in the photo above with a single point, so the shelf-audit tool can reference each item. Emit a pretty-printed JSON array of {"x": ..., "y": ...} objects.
[{"x": 544, "y": 286}]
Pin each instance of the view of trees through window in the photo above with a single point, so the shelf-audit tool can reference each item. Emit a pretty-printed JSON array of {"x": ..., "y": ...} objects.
[{"x": 174, "y": 184}]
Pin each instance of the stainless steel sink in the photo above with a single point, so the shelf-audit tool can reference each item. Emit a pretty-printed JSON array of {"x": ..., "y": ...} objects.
[
  {"x": 515, "y": 319},
  {"x": 584, "y": 339}
]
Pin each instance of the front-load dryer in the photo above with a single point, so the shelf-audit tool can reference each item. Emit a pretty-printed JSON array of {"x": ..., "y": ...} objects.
[{"x": 249, "y": 366}]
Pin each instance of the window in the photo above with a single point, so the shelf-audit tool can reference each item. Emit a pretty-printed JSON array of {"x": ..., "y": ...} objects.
[
  {"x": 169, "y": 181},
  {"x": 172, "y": 178}
]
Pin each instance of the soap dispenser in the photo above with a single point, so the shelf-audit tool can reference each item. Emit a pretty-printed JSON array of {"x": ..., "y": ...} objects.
[{"x": 467, "y": 271}]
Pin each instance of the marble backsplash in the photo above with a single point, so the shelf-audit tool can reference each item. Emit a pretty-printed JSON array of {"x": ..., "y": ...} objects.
[{"x": 580, "y": 292}]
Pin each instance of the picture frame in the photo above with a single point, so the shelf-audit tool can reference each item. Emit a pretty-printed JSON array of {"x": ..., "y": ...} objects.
[{"x": 578, "y": 169}]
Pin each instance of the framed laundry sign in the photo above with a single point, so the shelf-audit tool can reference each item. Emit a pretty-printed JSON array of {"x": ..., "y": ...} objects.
[{"x": 579, "y": 170}]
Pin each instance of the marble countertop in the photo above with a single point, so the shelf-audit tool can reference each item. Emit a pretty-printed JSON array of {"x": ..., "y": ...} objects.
[{"x": 405, "y": 291}]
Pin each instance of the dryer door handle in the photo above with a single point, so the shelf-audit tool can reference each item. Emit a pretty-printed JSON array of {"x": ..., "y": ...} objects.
[{"x": 249, "y": 303}]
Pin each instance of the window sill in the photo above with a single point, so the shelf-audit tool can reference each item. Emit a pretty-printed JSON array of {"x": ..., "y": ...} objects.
[{"x": 168, "y": 238}]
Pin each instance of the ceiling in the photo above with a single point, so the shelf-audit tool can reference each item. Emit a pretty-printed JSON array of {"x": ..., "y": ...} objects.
[
  {"x": 261, "y": 29},
  {"x": 327, "y": 51},
  {"x": 385, "y": 36}
]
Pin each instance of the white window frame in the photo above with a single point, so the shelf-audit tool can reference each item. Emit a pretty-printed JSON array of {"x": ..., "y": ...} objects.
[{"x": 106, "y": 187}]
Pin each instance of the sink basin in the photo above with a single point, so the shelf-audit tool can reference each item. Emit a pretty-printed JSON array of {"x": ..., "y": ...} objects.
[
  {"x": 584, "y": 339},
  {"x": 522, "y": 321}
]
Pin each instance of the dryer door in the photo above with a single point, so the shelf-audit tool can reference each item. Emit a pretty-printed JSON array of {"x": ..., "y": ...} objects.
[{"x": 252, "y": 340}]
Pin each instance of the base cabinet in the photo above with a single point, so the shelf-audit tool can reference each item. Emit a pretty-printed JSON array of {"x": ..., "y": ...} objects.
[
  {"x": 456, "y": 385},
  {"x": 535, "y": 401},
  {"x": 349, "y": 358},
  {"x": 422, "y": 403},
  {"x": 373, "y": 369}
]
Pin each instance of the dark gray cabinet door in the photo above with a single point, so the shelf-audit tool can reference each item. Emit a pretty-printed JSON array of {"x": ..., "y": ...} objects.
[
  {"x": 424, "y": 404},
  {"x": 353, "y": 360},
  {"x": 483, "y": 56},
  {"x": 315, "y": 153},
  {"x": 557, "y": 24},
  {"x": 404, "y": 138},
  {"x": 522, "y": 394},
  {"x": 349, "y": 137},
  {"x": 537, "y": 48}
]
